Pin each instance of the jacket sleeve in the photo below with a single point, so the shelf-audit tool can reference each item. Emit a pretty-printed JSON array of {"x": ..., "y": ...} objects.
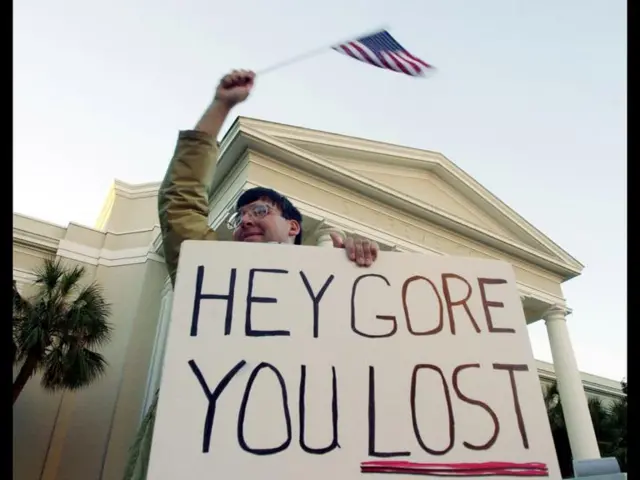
[{"x": 183, "y": 198}]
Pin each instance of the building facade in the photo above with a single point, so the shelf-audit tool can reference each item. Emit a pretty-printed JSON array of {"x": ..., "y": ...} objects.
[{"x": 407, "y": 200}]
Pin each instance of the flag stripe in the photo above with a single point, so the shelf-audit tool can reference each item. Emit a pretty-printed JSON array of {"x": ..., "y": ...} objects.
[
  {"x": 379, "y": 61},
  {"x": 347, "y": 50},
  {"x": 407, "y": 67},
  {"x": 421, "y": 62},
  {"x": 413, "y": 64},
  {"x": 391, "y": 62},
  {"x": 366, "y": 56},
  {"x": 382, "y": 50}
]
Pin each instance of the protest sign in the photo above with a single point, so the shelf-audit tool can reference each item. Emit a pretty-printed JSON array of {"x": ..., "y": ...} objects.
[{"x": 290, "y": 362}]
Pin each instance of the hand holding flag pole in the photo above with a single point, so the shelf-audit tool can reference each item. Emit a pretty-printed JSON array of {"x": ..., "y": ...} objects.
[{"x": 377, "y": 48}]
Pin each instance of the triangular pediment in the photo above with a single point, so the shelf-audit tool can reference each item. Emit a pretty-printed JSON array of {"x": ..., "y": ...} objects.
[
  {"x": 418, "y": 176},
  {"x": 428, "y": 187}
]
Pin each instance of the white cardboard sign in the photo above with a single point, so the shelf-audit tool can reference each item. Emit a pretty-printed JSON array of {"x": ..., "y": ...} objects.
[{"x": 291, "y": 363}]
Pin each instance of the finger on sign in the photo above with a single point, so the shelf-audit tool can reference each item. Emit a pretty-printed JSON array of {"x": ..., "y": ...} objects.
[
  {"x": 360, "y": 255},
  {"x": 350, "y": 246},
  {"x": 337, "y": 240},
  {"x": 367, "y": 250}
]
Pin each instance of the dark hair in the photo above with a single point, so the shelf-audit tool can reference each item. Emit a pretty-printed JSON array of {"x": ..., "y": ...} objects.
[{"x": 289, "y": 212}]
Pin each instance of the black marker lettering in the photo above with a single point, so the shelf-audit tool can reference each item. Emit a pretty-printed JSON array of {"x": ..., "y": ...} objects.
[
  {"x": 316, "y": 299},
  {"x": 372, "y": 421},
  {"x": 248, "y": 330},
  {"x": 334, "y": 414},
  {"x": 414, "y": 416},
  {"x": 516, "y": 402},
  {"x": 199, "y": 296},
  {"x": 212, "y": 397},
  {"x": 392, "y": 318},
  {"x": 478, "y": 403},
  {"x": 405, "y": 287},
  {"x": 243, "y": 412}
]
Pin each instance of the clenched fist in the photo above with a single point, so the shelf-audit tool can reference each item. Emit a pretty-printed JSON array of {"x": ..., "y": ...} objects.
[{"x": 235, "y": 87}]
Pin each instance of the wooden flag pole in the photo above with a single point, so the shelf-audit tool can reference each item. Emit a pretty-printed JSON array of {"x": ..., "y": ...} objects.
[{"x": 314, "y": 52}]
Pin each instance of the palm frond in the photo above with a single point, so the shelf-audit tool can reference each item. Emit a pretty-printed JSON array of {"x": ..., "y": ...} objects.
[
  {"x": 87, "y": 317},
  {"x": 72, "y": 368},
  {"x": 600, "y": 418},
  {"x": 48, "y": 275},
  {"x": 31, "y": 333},
  {"x": 20, "y": 306},
  {"x": 618, "y": 412},
  {"x": 18, "y": 301},
  {"x": 554, "y": 407},
  {"x": 609, "y": 421},
  {"x": 69, "y": 281},
  {"x": 598, "y": 412},
  {"x": 58, "y": 326}
]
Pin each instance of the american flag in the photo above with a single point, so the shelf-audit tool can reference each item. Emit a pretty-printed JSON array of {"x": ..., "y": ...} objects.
[{"x": 382, "y": 50}]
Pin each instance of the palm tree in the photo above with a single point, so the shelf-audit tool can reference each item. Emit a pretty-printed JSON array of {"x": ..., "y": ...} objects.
[
  {"x": 17, "y": 303},
  {"x": 57, "y": 329},
  {"x": 618, "y": 426},
  {"x": 609, "y": 423},
  {"x": 558, "y": 430}
]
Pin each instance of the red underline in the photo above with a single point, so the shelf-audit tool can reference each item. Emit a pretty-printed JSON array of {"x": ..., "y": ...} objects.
[{"x": 529, "y": 469}]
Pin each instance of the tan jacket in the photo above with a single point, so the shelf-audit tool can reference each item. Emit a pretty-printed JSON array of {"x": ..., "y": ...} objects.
[
  {"x": 183, "y": 198},
  {"x": 183, "y": 207}
]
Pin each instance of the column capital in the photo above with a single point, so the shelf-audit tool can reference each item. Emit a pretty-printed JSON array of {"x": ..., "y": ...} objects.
[
  {"x": 321, "y": 235},
  {"x": 556, "y": 312}
]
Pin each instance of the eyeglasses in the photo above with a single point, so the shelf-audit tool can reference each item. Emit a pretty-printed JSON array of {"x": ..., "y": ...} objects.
[{"x": 256, "y": 210}]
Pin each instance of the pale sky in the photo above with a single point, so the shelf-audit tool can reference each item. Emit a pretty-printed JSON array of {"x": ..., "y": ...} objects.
[{"x": 530, "y": 99}]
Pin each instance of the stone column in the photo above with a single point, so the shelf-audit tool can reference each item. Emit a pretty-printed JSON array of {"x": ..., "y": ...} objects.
[
  {"x": 582, "y": 437},
  {"x": 322, "y": 238},
  {"x": 157, "y": 355}
]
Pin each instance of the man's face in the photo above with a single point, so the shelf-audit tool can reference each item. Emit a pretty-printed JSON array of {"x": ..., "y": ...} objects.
[{"x": 262, "y": 222}]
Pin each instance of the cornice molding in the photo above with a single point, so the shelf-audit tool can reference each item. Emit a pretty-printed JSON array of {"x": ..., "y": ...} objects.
[
  {"x": 35, "y": 240},
  {"x": 590, "y": 386},
  {"x": 23, "y": 277},
  {"x": 82, "y": 253},
  {"x": 108, "y": 258},
  {"x": 140, "y": 190}
]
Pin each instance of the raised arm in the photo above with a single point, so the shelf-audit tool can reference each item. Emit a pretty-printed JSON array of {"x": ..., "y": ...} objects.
[{"x": 183, "y": 198}]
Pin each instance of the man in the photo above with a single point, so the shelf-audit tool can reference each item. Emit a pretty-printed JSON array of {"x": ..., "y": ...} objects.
[{"x": 262, "y": 215}]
